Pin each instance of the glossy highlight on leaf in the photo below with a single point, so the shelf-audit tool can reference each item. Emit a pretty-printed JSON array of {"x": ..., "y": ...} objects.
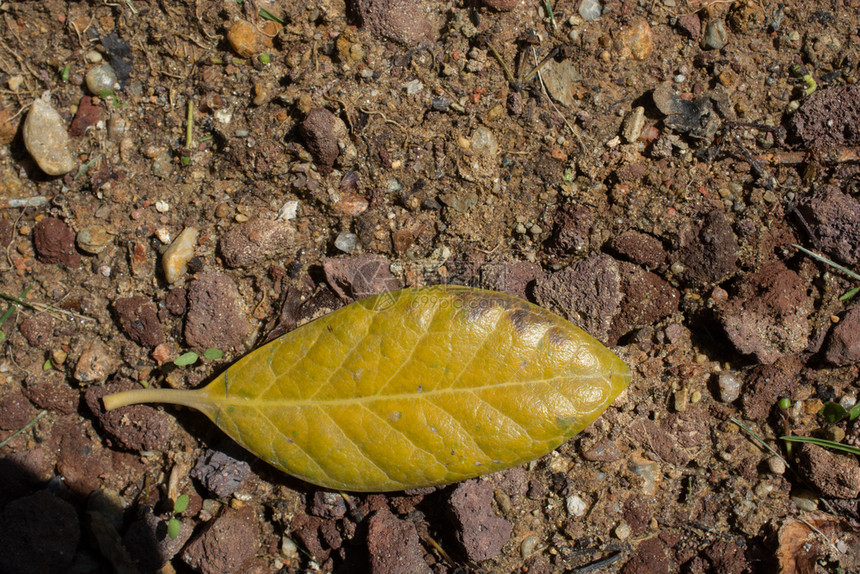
[{"x": 410, "y": 388}]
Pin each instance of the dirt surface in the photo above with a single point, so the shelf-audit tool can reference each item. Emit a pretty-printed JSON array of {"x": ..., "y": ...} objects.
[{"x": 647, "y": 182}]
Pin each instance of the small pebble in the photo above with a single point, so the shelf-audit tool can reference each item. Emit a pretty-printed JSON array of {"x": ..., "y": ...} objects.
[
  {"x": 715, "y": 35},
  {"x": 776, "y": 465},
  {"x": 484, "y": 141},
  {"x": 804, "y": 499},
  {"x": 163, "y": 235},
  {"x": 575, "y": 505},
  {"x": 175, "y": 259},
  {"x": 289, "y": 549},
  {"x": 289, "y": 210},
  {"x": 162, "y": 206},
  {"x": 244, "y": 39},
  {"x": 622, "y": 531},
  {"x": 413, "y": 87},
  {"x": 101, "y": 78},
  {"x": 47, "y": 139},
  {"x": 528, "y": 545},
  {"x": 346, "y": 242},
  {"x": 93, "y": 238},
  {"x": 729, "y": 387},
  {"x": 94, "y": 57},
  {"x": 631, "y": 127}
]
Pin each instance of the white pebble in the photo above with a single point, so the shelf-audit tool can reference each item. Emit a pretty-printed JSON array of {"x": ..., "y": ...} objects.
[
  {"x": 590, "y": 10},
  {"x": 162, "y": 206},
  {"x": 729, "y": 387},
  {"x": 576, "y": 505},
  {"x": 346, "y": 242},
  {"x": 289, "y": 210}
]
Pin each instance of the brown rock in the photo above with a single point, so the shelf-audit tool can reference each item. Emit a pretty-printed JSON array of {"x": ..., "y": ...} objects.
[
  {"x": 216, "y": 313},
  {"x": 15, "y": 411},
  {"x": 137, "y": 427},
  {"x": 38, "y": 330},
  {"x": 321, "y": 131},
  {"x": 708, "y": 249},
  {"x": 641, "y": 249},
  {"x": 588, "y": 294},
  {"x": 360, "y": 276},
  {"x": 768, "y": 316},
  {"x": 834, "y": 475},
  {"x": 55, "y": 242},
  {"x": 52, "y": 393},
  {"x": 830, "y": 118},
  {"x": 516, "y": 278},
  {"x": 843, "y": 345},
  {"x": 227, "y": 544},
  {"x": 571, "y": 229},
  {"x": 692, "y": 25},
  {"x": 403, "y": 21},
  {"x": 480, "y": 532},
  {"x": 255, "y": 240},
  {"x": 765, "y": 384},
  {"x": 88, "y": 115},
  {"x": 647, "y": 299},
  {"x": 650, "y": 558},
  {"x": 138, "y": 319},
  {"x": 834, "y": 217},
  {"x": 81, "y": 461},
  {"x": 394, "y": 546},
  {"x": 176, "y": 300}
]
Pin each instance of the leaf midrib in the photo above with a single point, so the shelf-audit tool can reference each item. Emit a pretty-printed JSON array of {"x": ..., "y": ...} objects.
[{"x": 316, "y": 402}]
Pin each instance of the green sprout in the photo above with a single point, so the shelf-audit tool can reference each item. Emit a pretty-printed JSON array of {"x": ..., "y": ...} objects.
[
  {"x": 799, "y": 71},
  {"x": 65, "y": 73},
  {"x": 784, "y": 403},
  {"x": 110, "y": 96},
  {"x": 174, "y": 525},
  {"x": 265, "y": 58}
]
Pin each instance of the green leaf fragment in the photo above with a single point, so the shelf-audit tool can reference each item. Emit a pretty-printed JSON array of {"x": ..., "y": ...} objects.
[
  {"x": 186, "y": 359},
  {"x": 173, "y": 528},
  {"x": 833, "y": 412},
  {"x": 213, "y": 354},
  {"x": 181, "y": 503}
]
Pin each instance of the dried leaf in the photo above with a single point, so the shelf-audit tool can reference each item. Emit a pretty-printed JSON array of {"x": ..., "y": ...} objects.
[{"x": 410, "y": 388}]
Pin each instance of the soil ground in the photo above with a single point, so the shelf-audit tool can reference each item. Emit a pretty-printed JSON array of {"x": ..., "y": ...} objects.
[{"x": 647, "y": 182}]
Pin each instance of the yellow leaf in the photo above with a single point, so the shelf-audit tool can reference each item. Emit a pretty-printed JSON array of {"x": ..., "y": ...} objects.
[{"x": 410, "y": 388}]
